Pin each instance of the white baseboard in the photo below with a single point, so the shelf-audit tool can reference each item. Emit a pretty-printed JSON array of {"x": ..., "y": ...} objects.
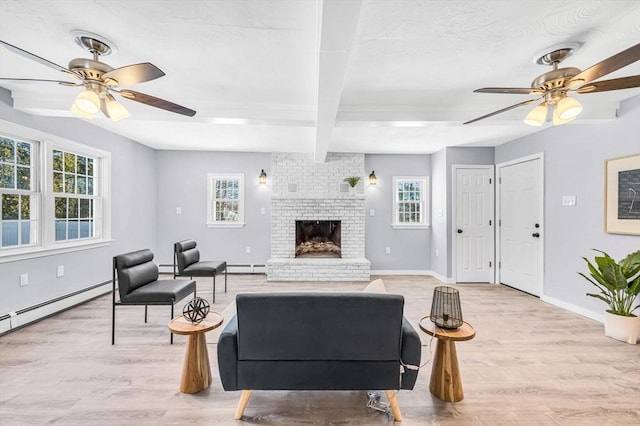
[
  {"x": 22, "y": 317},
  {"x": 411, "y": 272},
  {"x": 573, "y": 308}
]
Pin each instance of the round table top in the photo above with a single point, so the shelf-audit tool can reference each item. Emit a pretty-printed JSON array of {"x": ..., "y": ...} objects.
[
  {"x": 181, "y": 325},
  {"x": 464, "y": 332}
]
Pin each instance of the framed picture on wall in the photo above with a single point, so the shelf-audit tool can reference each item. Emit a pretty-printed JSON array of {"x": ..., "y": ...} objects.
[{"x": 622, "y": 195}]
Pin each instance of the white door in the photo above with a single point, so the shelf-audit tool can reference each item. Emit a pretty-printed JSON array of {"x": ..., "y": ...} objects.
[
  {"x": 474, "y": 224},
  {"x": 520, "y": 225}
]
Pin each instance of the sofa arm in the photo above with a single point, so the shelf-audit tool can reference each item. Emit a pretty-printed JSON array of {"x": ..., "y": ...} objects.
[
  {"x": 410, "y": 354},
  {"x": 228, "y": 355}
]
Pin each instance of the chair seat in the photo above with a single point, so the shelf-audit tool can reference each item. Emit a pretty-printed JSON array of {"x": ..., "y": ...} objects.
[
  {"x": 160, "y": 291},
  {"x": 205, "y": 269}
]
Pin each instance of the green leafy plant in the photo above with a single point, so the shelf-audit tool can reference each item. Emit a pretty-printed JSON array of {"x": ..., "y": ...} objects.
[
  {"x": 618, "y": 282},
  {"x": 352, "y": 180}
]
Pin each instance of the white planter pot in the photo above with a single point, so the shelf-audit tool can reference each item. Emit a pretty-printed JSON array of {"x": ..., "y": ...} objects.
[{"x": 625, "y": 329}]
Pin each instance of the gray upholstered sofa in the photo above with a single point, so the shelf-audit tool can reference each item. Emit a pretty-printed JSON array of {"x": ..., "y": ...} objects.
[{"x": 318, "y": 341}]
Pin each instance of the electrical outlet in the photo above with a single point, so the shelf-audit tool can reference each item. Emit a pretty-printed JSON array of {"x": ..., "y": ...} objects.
[
  {"x": 178, "y": 210},
  {"x": 60, "y": 271},
  {"x": 437, "y": 252},
  {"x": 248, "y": 249},
  {"x": 387, "y": 250},
  {"x": 24, "y": 279}
]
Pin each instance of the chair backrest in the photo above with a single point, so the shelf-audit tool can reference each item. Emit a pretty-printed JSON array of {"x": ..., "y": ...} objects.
[
  {"x": 134, "y": 270},
  {"x": 319, "y": 326},
  {"x": 186, "y": 254}
]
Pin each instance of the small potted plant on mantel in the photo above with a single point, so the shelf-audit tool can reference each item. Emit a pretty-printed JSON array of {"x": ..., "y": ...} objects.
[
  {"x": 352, "y": 181},
  {"x": 619, "y": 285}
]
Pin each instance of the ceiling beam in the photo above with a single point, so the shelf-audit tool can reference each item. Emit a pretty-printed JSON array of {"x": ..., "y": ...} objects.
[{"x": 337, "y": 24}]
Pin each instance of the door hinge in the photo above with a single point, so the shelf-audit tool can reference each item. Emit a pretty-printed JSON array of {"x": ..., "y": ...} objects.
[
  {"x": 500, "y": 180},
  {"x": 489, "y": 181},
  {"x": 489, "y": 222},
  {"x": 489, "y": 264},
  {"x": 500, "y": 222},
  {"x": 500, "y": 265}
]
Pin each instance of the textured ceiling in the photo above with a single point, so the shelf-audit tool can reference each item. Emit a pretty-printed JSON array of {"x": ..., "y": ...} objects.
[{"x": 372, "y": 76}]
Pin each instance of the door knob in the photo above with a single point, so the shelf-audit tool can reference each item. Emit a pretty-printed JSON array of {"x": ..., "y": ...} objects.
[
  {"x": 535, "y": 234},
  {"x": 459, "y": 231},
  {"x": 537, "y": 225}
]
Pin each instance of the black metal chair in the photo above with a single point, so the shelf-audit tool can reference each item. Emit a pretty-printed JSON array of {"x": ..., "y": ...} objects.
[
  {"x": 186, "y": 263},
  {"x": 137, "y": 280}
]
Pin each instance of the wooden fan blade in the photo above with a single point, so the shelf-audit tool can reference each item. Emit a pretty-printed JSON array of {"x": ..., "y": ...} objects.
[
  {"x": 134, "y": 74},
  {"x": 156, "y": 102},
  {"x": 38, "y": 59},
  {"x": 39, "y": 80},
  {"x": 613, "y": 84},
  {"x": 500, "y": 111},
  {"x": 509, "y": 90},
  {"x": 609, "y": 65}
]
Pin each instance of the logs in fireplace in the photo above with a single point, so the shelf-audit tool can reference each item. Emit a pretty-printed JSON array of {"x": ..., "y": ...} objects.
[{"x": 318, "y": 238}]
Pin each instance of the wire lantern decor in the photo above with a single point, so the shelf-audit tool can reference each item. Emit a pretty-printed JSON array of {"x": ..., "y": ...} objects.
[{"x": 445, "y": 308}]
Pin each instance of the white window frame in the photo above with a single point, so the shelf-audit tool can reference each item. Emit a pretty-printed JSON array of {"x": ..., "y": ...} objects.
[
  {"x": 43, "y": 171},
  {"x": 425, "y": 195},
  {"x": 211, "y": 213}
]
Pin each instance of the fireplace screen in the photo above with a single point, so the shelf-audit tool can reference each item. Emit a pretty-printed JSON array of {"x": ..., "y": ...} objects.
[{"x": 318, "y": 238}]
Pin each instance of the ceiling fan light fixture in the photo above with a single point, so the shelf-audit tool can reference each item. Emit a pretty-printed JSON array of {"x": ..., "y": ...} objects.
[
  {"x": 88, "y": 102},
  {"x": 81, "y": 113},
  {"x": 115, "y": 109},
  {"x": 537, "y": 116},
  {"x": 568, "y": 108}
]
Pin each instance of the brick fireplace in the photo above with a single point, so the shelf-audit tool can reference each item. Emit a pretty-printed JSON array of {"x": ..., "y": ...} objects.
[{"x": 306, "y": 191}]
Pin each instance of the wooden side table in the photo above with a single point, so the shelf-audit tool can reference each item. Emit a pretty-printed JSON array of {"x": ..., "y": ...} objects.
[
  {"x": 196, "y": 371},
  {"x": 446, "y": 382}
]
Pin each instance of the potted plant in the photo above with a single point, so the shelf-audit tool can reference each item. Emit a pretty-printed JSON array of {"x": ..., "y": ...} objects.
[
  {"x": 619, "y": 285},
  {"x": 352, "y": 181}
]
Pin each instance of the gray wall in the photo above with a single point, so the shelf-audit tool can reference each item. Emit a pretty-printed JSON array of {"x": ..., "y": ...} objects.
[
  {"x": 410, "y": 248},
  {"x": 574, "y": 157},
  {"x": 133, "y": 222},
  {"x": 182, "y": 182}
]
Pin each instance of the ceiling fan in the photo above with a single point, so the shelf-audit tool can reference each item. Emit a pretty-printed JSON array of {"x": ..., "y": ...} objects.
[
  {"x": 554, "y": 86},
  {"x": 101, "y": 81}
]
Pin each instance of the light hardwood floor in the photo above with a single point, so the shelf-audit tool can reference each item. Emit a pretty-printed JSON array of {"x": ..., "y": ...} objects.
[{"x": 529, "y": 364}]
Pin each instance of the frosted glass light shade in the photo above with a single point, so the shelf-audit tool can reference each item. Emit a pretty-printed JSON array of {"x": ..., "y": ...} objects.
[
  {"x": 115, "y": 109},
  {"x": 568, "y": 108},
  {"x": 537, "y": 116},
  {"x": 88, "y": 102},
  {"x": 557, "y": 120},
  {"x": 80, "y": 112}
]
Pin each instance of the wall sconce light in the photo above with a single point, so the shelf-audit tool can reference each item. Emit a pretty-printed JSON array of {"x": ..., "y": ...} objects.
[
  {"x": 373, "y": 180},
  {"x": 262, "y": 179}
]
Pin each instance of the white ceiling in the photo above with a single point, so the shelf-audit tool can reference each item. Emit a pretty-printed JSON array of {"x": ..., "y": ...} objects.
[{"x": 371, "y": 76}]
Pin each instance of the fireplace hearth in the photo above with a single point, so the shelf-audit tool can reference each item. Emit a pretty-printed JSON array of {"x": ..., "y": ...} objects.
[{"x": 318, "y": 238}]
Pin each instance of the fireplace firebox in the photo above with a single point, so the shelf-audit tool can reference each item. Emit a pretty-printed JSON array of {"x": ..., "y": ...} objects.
[{"x": 318, "y": 238}]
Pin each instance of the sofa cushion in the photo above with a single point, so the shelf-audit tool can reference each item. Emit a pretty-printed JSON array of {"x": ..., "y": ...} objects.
[{"x": 319, "y": 326}]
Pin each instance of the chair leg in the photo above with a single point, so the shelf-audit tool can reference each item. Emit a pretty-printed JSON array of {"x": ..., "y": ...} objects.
[
  {"x": 145, "y": 314},
  {"x": 214, "y": 289},
  {"x": 113, "y": 324},
  {"x": 171, "y": 338},
  {"x": 244, "y": 400},
  {"x": 393, "y": 403},
  {"x": 225, "y": 280}
]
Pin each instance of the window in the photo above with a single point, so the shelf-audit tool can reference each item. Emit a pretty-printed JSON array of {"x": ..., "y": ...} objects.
[
  {"x": 54, "y": 194},
  {"x": 18, "y": 193},
  {"x": 411, "y": 202},
  {"x": 225, "y": 200},
  {"x": 74, "y": 195}
]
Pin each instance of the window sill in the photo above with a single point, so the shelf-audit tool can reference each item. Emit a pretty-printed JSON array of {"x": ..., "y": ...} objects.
[
  {"x": 35, "y": 252},
  {"x": 226, "y": 225},
  {"x": 398, "y": 226}
]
